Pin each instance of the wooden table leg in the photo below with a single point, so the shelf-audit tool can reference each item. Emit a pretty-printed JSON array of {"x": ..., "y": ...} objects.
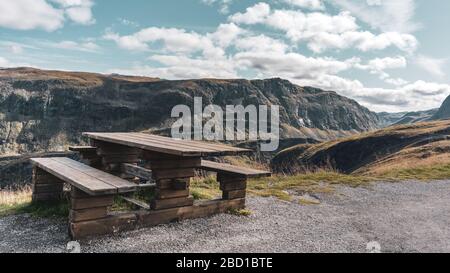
[
  {"x": 46, "y": 187},
  {"x": 113, "y": 155},
  {"x": 172, "y": 176},
  {"x": 233, "y": 187}
]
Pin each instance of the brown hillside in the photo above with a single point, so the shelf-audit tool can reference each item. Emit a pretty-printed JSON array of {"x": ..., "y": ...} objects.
[{"x": 415, "y": 145}]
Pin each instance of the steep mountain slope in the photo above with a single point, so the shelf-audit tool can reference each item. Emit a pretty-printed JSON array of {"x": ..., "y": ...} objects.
[
  {"x": 48, "y": 110},
  {"x": 374, "y": 152},
  {"x": 444, "y": 111}
]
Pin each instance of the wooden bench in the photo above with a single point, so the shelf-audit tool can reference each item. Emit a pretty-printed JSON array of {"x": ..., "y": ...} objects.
[
  {"x": 92, "y": 190},
  {"x": 232, "y": 179}
]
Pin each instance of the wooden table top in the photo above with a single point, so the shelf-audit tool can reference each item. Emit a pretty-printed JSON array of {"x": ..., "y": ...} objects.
[{"x": 167, "y": 145}]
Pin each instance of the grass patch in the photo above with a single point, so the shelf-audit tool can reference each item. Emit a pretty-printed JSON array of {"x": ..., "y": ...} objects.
[
  {"x": 19, "y": 201},
  {"x": 205, "y": 188},
  {"x": 14, "y": 200},
  {"x": 427, "y": 173},
  {"x": 47, "y": 210},
  {"x": 240, "y": 212},
  {"x": 284, "y": 187}
]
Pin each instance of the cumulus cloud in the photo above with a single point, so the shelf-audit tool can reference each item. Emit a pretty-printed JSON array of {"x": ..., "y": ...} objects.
[
  {"x": 44, "y": 14},
  {"x": 433, "y": 66},
  {"x": 397, "y": 16},
  {"x": 173, "y": 40},
  {"x": 309, "y": 4},
  {"x": 321, "y": 31}
]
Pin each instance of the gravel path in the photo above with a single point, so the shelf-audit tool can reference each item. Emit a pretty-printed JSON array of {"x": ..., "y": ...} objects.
[{"x": 401, "y": 217}]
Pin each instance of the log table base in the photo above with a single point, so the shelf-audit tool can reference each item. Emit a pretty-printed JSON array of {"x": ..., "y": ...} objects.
[
  {"x": 113, "y": 223},
  {"x": 46, "y": 187}
]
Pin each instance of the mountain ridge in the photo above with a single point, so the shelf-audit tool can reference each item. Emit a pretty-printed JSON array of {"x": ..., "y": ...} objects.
[{"x": 42, "y": 110}]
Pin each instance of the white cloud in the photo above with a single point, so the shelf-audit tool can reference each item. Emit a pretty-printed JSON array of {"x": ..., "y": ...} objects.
[
  {"x": 385, "y": 15},
  {"x": 226, "y": 34},
  {"x": 378, "y": 66},
  {"x": 224, "y": 4},
  {"x": 77, "y": 46},
  {"x": 321, "y": 31},
  {"x": 291, "y": 65},
  {"x": 48, "y": 15},
  {"x": 432, "y": 65},
  {"x": 253, "y": 15},
  {"x": 79, "y": 11},
  {"x": 309, "y": 4},
  {"x": 173, "y": 39},
  {"x": 30, "y": 14}
]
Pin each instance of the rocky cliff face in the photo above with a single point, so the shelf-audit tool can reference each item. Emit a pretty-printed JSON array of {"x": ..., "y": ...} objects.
[{"x": 48, "y": 110}]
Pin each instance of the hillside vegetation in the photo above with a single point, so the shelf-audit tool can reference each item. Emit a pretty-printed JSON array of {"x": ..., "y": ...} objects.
[{"x": 376, "y": 153}]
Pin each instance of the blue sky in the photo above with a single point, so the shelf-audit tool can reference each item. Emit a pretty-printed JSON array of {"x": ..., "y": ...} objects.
[{"x": 389, "y": 55}]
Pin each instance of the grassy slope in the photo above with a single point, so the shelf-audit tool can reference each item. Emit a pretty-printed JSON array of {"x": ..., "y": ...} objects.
[{"x": 378, "y": 152}]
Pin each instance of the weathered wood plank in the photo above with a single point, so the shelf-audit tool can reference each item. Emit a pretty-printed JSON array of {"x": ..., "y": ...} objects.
[
  {"x": 172, "y": 203},
  {"x": 76, "y": 178},
  {"x": 48, "y": 188},
  {"x": 231, "y": 186},
  {"x": 167, "y": 194},
  {"x": 83, "y": 149},
  {"x": 109, "y": 225},
  {"x": 136, "y": 202},
  {"x": 228, "y": 195},
  {"x": 88, "y": 214},
  {"x": 202, "y": 145},
  {"x": 171, "y": 164},
  {"x": 234, "y": 170},
  {"x": 153, "y": 218},
  {"x": 173, "y": 173},
  {"x": 91, "y": 202},
  {"x": 109, "y": 159},
  {"x": 174, "y": 184},
  {"x": 121, "y": 185},
  {"x": 137, "y": 171}
]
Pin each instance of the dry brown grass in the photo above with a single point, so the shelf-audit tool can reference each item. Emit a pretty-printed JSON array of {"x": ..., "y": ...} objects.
[
  {"x": 11, "y": 200},
  {"x": 429, "y": 155}
]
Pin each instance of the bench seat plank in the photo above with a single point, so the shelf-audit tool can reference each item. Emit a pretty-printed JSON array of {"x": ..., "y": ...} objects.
[
  {"x": 121, "y": 184},
  {"x": 233, "y": 170},
  {"x": 85, "y": 178}
]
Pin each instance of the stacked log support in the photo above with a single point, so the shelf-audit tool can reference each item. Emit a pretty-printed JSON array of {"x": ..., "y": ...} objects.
[
  {"x": 113, "y": 156},
  {"x": 46, "y": 187},
  {"x": 172, "y": 175},
  {"x": 88, "y": 155},
  {"x": 232, "y": 186},
  {"x": 89, "y": 215}
]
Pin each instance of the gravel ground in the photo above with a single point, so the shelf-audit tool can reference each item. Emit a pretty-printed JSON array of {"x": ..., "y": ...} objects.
[{"x": 401, "y": 217}]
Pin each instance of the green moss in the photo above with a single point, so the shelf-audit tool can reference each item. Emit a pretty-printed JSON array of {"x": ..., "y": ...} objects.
[{"x": 240, "y": 212}]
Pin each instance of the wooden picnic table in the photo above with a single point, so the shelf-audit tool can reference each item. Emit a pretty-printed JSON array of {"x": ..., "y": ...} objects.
[{"x": 112, "y": 168}]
